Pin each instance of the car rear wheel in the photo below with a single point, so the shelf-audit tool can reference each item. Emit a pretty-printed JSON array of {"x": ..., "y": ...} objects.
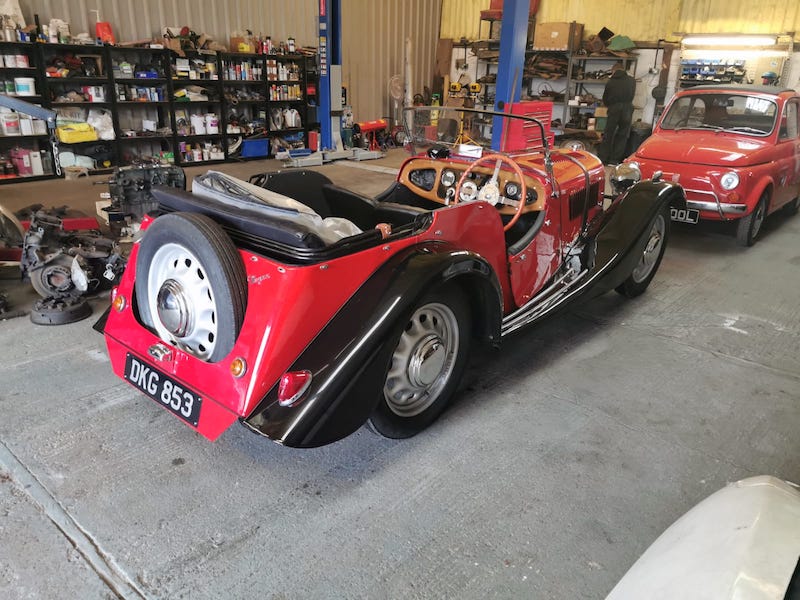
[
  {"x": 793, "y": 207},
  {"x": 431, "y": 352},
  {"x": 191, "y": 285},
  {"x": 749, "y": 227},
  {"x": 645, "y": 270}
]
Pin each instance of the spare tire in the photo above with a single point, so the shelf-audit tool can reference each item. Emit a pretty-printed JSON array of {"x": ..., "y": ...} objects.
[{"x": 191, "y": 285}]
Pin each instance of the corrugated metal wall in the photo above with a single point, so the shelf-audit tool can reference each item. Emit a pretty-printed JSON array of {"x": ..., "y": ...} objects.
[
  {"x": 647, "y": 21},
  {"x": 739, "y": 16},
  {"x": 634, "y": 18},
  {"x": 374, "y": 34},
  {"x": 141, "y": 19},
  {"x": 460, "y": 18}
]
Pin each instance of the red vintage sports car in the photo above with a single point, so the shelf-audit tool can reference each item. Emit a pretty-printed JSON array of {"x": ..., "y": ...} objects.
[
  {"x": 734, "y": 149},
  {"x": 304, "y": 310}
]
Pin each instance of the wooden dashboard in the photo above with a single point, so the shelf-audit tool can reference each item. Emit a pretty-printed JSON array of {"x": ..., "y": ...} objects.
[{"x": 423, "y": 176}]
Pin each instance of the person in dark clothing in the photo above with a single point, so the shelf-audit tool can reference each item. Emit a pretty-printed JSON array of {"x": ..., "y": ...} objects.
[{"x": 618, "y": 97}]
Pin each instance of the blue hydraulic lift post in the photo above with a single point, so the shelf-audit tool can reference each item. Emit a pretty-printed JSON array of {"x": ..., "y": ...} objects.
[
  {"x": 513, "y": 36},
  {"x": 330, "y": 53}
]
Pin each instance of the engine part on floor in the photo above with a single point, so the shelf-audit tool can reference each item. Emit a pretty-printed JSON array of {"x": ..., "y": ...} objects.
[
  {"x": 11, "y": 231},
  {"x": 64, "y": 262},
  {"x": 60, "y": 310},
  {"x": 129, "y": 192}
]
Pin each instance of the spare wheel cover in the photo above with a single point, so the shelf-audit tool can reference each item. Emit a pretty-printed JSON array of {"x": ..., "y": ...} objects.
[{"x": 191, "y": 285}]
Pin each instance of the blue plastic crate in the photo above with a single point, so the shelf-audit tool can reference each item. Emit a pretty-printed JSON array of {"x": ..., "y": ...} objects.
[{"x": 251, "y": 148}]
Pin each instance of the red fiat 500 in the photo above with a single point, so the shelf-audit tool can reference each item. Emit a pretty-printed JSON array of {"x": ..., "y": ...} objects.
[{"x": 734, "y": 149}]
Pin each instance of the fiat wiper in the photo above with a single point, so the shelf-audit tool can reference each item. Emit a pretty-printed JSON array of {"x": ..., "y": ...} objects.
[
  {"x": 744, "y": 129},
  {"x": 700, "y": 126}
]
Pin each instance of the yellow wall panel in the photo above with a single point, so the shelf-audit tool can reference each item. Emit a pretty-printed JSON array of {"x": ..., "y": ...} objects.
[
  {"x": 739, "y": 16},
  {"x": 460, "y": 18},
  {"x": 647, "y": 21},
  {"x": 634, "y": 18}
]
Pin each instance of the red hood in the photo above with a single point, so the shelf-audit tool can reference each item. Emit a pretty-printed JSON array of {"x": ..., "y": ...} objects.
[{"x": 706, "y": 148}]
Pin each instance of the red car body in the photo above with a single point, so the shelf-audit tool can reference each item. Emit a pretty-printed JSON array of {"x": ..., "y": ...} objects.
[
  {"x": 734, "y": 149},
  {"x": 332, "y": 319}
]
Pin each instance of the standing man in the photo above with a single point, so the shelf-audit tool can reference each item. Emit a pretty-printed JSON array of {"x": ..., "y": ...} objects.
[{"x": 618, "y": 97}]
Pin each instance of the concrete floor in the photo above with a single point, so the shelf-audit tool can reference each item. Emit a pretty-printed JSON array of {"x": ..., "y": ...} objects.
[{"x": 568, "y": 452}]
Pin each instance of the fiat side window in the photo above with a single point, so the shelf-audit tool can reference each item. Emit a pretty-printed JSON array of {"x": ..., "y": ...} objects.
[{"x": 789, "y": 125}]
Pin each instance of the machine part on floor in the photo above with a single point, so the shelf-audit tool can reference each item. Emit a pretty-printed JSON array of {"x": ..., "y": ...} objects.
[
  {"x": 130, "y": 194},
  {"x": 62, "y": 261},
  {"x": 60, "y": 310},
  {"x": 11, "y": 231},
  {"x": 370, "y": 132},
  {"x": 315, "y": 159}
]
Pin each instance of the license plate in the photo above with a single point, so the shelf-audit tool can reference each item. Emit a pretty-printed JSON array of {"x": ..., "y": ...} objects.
[
  {"x": 685, "y": 215},
  {"x": 164, "y": 390}
]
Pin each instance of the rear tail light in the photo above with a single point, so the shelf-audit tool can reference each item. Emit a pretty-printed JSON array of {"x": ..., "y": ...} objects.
[
  {"x": 292, "y": 387},
  {"x": 117, "y": 300}
]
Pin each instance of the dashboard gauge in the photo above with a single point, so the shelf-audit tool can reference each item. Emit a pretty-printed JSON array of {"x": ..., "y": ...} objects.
[
  {"x": 512, "y": 190},
  {"x": 448, "y": 178},
  {"x": 469, "y": 191}
]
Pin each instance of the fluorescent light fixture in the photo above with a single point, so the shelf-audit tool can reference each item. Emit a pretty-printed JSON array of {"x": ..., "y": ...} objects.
[{"x": 729, "y": 40}]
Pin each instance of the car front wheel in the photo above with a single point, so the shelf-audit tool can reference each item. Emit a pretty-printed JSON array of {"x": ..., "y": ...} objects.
[
  {"x": 748, "y": 228},
  {"x": 430, "y": 354},
  {"x": 645, "y": 270}
]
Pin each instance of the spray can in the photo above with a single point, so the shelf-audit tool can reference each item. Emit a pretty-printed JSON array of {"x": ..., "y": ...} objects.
[{"x": 435, "y": 113}]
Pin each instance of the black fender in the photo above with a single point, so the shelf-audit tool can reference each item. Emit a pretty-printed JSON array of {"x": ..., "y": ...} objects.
[
  {"x": 349, "y": 356},
  {"x": 620, "y": 234}
]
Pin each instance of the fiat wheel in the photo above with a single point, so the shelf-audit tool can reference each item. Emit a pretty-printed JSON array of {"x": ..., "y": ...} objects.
[
  {"x": 190, "y": 285},
  {"x": 430, "y": 354},
  {"x": 749, "y": 226},
  {"x": 653, "y": 252}
]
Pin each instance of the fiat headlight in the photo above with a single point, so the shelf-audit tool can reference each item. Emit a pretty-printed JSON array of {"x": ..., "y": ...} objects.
[{"x": 729, "y": 181}]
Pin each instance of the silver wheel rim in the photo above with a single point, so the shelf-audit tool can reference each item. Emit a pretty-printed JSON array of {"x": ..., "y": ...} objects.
[
  {"x": 423, "y": 361},
  {"x": 758, "y": 219},
  {"x": 181, "y": 301},
  {"x": 652, "y": 251}
]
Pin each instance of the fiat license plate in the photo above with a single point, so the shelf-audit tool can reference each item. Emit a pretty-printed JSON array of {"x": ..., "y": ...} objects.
[
  {"x": 164, "y": 390},
  {"x": 685, "y": 215}
]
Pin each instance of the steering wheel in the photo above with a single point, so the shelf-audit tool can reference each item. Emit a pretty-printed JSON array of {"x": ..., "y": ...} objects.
[{"x": 490, "y": 192}]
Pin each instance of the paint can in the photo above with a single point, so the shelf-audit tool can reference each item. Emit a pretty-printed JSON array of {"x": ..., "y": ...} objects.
[
  {"x": 9, "y": 123},
  {"x": 212, "y": 123},
  {"x": 25, "y": 86},
  {"x": 198, "y": 124}
]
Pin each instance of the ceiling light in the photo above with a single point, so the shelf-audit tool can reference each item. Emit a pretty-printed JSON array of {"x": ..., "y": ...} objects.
[{"x": 729, "y": 40}]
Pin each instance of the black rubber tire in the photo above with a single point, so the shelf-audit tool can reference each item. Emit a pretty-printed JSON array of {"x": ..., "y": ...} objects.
[
  {"x": 219, "y": 257},
  {"x": 748, "y": 228},
  {"x": 53, "y": 279},
  {"x": 387, "y": 422},
  {"x": 630, "y": 288},
  {"x": 792, "y": 208}
]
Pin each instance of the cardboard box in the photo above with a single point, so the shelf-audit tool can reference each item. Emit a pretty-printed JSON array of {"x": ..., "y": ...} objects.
[
  {"x": 601, "y": 111},
  {"x": 556, "y": 36}
]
